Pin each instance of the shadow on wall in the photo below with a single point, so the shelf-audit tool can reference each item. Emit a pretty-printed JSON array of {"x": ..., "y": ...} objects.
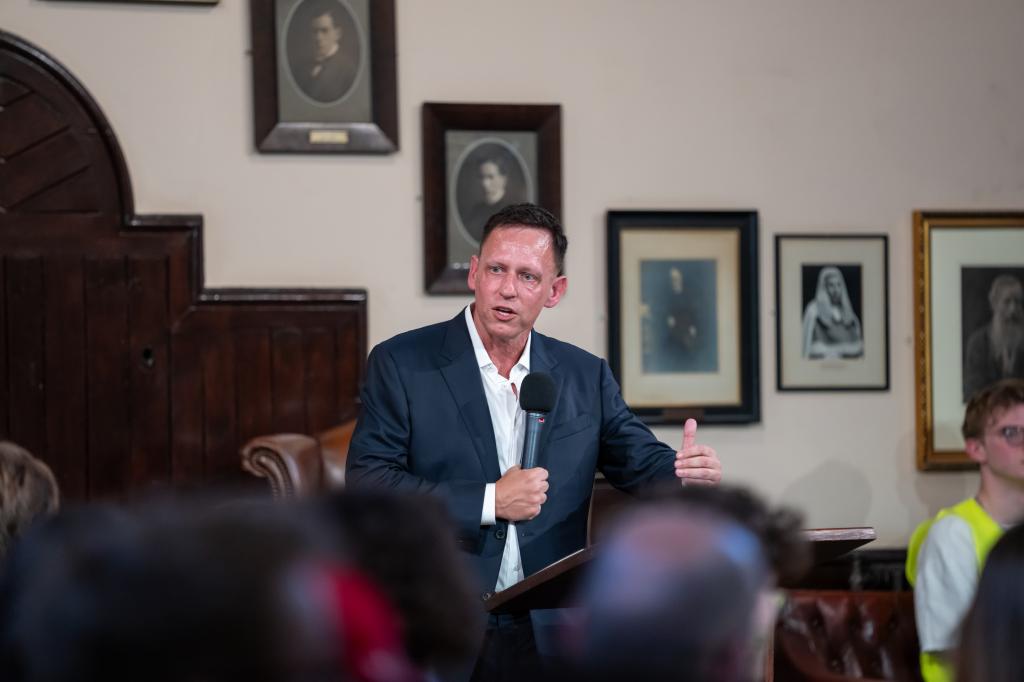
[
  {"x": 838, "y": 492},
  {"x": 933, "y": 490}
]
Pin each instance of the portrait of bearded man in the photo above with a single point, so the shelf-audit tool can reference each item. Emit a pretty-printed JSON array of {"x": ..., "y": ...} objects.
[{"x": 996, "y": 350}]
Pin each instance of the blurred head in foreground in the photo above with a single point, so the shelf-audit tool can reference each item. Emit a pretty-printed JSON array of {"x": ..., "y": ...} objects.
[
  {"x": 173, "y": 594},
  {"x": 682, "y": 591},
  {"x": 28, "y": 491},
  {"x": 990, "y": 638}
]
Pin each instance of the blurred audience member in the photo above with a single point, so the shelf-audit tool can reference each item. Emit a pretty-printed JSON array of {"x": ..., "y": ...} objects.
[
  {"x": 28, "y": 491},
  {"x": 991, "y": 635},
  {"x": 242, "y": 593},
  {"x": 407, "y": 544},
  {"x": 683, "y": 590}
]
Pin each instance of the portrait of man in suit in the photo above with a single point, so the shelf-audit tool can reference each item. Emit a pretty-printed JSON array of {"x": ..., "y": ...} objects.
[
  {"x": 491, "y": 177},
  {"x": 323, "y": 50},
  {"x": 678, "y": 326}
]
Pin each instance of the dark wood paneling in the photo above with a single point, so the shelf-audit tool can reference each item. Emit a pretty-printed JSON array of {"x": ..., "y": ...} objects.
[
  {"x": 320, "y": 386},
  {"x": 66, "y": 411},
  {"x": 253, "y": 384},
  {"x": 117, "y": 366},
  {"x": 149, "y": 360},
  {"x": 288, "y": 373},
  {"x": 106, "y": 344},
  {"x": 187, "y": 409},
  {"x": 25, "y": 123},
  {"x": 220, "y": 449},
  {"x": 10, "y": 91},
  {"x": 27, "y": 406},
  {"x": 39, "y": 168},
  {"x": 5, "y": 394},
  {"x": 351, "y": 345}
]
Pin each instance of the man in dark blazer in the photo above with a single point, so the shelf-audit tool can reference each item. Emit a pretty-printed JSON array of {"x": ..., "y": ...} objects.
[{"x": 439, "y": 417}]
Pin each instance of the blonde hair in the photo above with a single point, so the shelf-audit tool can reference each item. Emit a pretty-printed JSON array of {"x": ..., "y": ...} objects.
[{"x": 28, "y": 490}]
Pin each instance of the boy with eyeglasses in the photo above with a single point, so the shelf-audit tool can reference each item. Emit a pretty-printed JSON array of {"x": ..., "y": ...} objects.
[{"x": 946, "y": 553}]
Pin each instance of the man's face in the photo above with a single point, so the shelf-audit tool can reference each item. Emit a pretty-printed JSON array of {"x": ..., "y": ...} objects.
[
  {"x": 1003, "y": 460},
  {"x": 677, "y": 280},
  {"x": 326, "y": 35},
  {"x": 1009, "y": 305},
  {"x": 492, "y": 181},
  {"x": 514, "y": 278},
  {"x": 834, "y": 288}
]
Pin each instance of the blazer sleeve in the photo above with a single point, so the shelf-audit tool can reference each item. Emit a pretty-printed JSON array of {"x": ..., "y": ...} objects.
[
  {"x": 379, "y": 453},
  {"x": 631, "y": 458}
]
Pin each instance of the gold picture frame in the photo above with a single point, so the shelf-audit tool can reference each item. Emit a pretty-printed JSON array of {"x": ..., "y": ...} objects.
[{"x": 958, "y": 258}]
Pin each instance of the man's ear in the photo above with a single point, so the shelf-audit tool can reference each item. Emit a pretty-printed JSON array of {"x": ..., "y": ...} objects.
[
  {"x": 558, "y": 289},
  {"x": 976, "y": 450},
  {"x": 474, "y": 263}
]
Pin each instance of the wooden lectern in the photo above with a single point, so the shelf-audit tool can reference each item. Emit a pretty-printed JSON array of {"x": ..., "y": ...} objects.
[{"x": 551, "y": 586}]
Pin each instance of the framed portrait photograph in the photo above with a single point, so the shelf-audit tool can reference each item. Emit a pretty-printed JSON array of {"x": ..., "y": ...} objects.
[
  {"x": 832, "y": 312},
  {"x": 683, "y": 314},
  {"x": 478, "y": 159},
  {"x": 324, "y": 76},
  {"x": 969, "y": 320},
  {"x": 154, "y": 2}
]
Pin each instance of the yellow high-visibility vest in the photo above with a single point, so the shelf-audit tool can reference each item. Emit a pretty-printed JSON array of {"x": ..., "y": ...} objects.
[{"x": 985, "y": 532}]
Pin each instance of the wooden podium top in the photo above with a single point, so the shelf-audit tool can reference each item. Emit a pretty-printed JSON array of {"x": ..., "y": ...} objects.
[{"x": 548, "y": 587}]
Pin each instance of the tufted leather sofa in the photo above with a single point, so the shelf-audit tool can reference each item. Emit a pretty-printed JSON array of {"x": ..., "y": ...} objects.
[{"x": 833, "y": 635}]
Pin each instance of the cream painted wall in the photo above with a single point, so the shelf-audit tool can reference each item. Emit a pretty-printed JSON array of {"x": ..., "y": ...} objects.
[{"x": 821, "y": 114}]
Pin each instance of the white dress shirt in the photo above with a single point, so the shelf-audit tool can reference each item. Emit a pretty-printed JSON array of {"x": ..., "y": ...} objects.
[{"x": 509, "y": 422}]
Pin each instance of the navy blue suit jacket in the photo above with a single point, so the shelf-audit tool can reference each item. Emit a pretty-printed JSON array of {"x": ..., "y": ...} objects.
[{"x": 425, "y": 427}]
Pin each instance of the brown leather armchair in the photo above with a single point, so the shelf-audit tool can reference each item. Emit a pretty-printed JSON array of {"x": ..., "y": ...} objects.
[
  {"x": 834, "y": 635},
  {"x": 297, "y": 465}
]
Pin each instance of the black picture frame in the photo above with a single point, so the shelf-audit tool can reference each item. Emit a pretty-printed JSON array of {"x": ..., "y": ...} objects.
[
  {"x": 813, "y": 351},
  {"x": 290, "y": 116},
  {"x": 683, "y": 316},
  {"x": 525, "y": 139}
]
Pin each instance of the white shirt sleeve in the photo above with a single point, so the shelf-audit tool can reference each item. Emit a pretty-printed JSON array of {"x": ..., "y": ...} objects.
[
  {"x": 947, "y": 576},
  {"x": 487, "y": 516}
]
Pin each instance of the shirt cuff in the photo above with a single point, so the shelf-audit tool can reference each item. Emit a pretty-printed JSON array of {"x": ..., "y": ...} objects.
[{"x": 487, "y": 515}]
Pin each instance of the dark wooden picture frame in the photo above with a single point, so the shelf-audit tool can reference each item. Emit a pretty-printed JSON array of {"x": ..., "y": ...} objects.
[
  {"x": 456, "y": 136},
  {"x": 683, "y": 329},
  {"x": 958, "y": 257},
  {"x": 152, "y": 2},
  {"x": 375, "y": 132},
  {"x": 813, "y": 351}
]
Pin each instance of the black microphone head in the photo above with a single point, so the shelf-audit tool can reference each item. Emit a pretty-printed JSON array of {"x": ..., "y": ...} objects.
[{"x": 538, "y": 393}]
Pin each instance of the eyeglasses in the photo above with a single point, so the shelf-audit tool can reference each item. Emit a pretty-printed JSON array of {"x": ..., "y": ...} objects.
[{"x": 1014, "y": 435}]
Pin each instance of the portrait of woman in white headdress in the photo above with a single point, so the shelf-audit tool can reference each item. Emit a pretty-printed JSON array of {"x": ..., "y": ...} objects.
[{"x": 831, "y": 325}]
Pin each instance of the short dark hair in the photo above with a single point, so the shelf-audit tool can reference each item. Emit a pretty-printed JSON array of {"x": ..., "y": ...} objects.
[
  {"x": 990, "y": 631},
  {"x": 778, "y": 528},
  {"x": 991, "y": 401},
  {"x": 530, "y": 215},
  {"x": 500, "y": 162}
]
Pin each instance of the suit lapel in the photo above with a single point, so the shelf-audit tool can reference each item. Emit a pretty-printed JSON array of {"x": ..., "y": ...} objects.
[
  {"x": 462, "y": 374},
  {"x": 541, "y": 360}
]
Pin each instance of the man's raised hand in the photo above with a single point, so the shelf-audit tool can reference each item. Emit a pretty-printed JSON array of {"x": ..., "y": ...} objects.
[{"x": 697, "y": 464}]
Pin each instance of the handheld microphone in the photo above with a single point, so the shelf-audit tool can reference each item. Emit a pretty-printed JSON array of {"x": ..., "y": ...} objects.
[{"x": 537, "y": 398}]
